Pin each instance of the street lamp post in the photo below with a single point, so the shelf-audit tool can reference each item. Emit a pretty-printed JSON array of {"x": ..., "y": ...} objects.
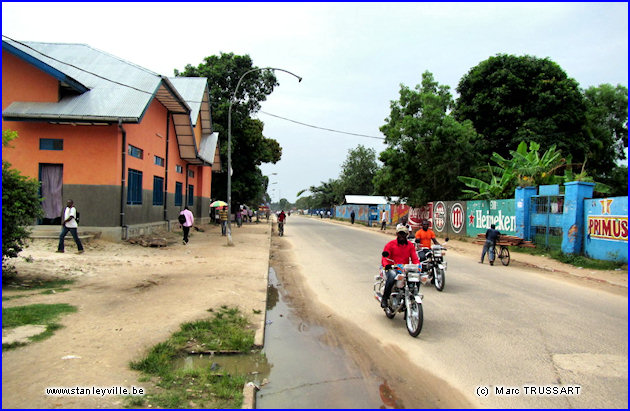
[{"x": 229, "y": 184}]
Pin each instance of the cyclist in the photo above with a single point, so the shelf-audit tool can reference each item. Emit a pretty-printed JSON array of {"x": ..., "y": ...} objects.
[
  {"x": 281, "y": 218},
  {"x": 492, "y": 236}
]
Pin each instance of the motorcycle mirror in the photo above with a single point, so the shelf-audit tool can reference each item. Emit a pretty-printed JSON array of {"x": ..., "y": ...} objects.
[
  {"x": 446, "y": 240},
  {"x": 417, "y": 241},
  {"x": 385, "y": 254}
]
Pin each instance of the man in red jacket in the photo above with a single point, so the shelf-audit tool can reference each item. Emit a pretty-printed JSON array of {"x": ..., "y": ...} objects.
[{"x": 401, "y": 251}]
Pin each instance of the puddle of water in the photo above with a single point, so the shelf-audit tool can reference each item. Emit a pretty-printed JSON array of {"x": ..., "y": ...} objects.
[
  {"x": 307, "y": 373},
  {"x": 255, "y": 365}
]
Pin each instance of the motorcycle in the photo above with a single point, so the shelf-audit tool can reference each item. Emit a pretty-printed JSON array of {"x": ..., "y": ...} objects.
[
  {"x": 433, "y": 263},
  {"x": 405, "y": 296}
]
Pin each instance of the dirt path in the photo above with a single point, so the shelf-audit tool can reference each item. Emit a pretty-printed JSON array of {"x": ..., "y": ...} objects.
[{"x": 129, "y": 298}]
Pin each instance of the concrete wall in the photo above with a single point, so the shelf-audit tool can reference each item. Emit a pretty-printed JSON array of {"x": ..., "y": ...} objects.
[{"x": 606, "y": 233}]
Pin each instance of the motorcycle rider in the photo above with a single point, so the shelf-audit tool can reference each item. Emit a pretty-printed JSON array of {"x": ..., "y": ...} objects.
[
  {"x": 400, "y": 252},
  {"x": 425, "y": 235}
]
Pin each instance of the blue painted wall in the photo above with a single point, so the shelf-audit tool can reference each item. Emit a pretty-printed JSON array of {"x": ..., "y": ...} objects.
[{"x": 606, "y": 228}]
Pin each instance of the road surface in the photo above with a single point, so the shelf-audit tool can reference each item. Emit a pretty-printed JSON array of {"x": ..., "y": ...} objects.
[{"x": 499, "y": 336}]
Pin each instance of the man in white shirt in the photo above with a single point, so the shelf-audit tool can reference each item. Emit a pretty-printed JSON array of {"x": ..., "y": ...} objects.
[
  {"x": 69, "y": 223},
  {"x": 384, "y": 220}
]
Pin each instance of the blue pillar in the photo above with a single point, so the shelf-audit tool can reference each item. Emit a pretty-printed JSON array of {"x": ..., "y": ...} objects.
[
  {"x": 575, "y": 193},
  {"x": 522, "y": 198}
]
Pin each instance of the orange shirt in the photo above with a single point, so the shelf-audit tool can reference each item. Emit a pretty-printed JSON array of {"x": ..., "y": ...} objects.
[{"x": 425, "y": 237}]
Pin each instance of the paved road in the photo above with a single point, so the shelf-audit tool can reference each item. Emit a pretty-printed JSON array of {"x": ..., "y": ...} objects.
[{"x": 492, "y": 327}]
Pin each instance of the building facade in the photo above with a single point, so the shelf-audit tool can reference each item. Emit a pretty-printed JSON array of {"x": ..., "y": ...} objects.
[{"x": 131, "y": 147}]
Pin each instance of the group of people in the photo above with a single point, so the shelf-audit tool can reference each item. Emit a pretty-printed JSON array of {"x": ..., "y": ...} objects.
[{"x": 403, "y": 251}]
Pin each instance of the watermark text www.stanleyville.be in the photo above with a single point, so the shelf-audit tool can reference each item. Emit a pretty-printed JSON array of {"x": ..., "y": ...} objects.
[{"x": 94, "y": 391}]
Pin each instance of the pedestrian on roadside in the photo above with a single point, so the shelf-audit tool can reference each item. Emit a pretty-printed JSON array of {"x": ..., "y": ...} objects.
[
  {"x": 69, "y": 223},
  {"x": 352, "y": 215},
  {"x": 384, "y": 220},
  {"x": 223, "y": 216},
  {"x": 492, "y": 236},
  {"x": 186, "y": 219},
  {"x": 250, "y": 214},
  {"x": 239, "y": 216}
]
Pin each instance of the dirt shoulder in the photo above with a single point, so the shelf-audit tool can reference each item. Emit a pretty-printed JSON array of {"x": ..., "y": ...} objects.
[
  {"x": 129, "y": 298},
  {"x": 615, "y": 281}
]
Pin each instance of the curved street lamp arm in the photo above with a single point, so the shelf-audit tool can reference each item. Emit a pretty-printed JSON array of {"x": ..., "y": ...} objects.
[{"x": 229, "y": 171}]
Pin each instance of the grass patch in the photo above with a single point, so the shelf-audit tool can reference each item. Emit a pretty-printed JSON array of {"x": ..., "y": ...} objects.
[
  {"x": 196, "y": 388},
  {"x": 36, "y": 314},
  {"x": 36, "y": 284},
  {"x": 576, "y": 260},
  {"x": 14, "y": 297}
]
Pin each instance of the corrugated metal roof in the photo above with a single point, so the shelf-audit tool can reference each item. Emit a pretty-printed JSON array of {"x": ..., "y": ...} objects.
[
  {"x": 208, "y": 148},
  {"x": 110, "y": 89},
  {"x": 370, "y": 200},
  {"x": 115, "y": 88}
]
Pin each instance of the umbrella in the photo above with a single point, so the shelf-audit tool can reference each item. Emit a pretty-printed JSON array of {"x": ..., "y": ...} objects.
[{"x": 218, "y": 203}]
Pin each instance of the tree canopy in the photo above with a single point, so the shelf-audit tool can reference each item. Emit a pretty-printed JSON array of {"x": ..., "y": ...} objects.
[
  {"x": 427, "y": 148},
  {"x": 510, "y": 99},
  {"x": 358, "y": 171},
  {"x": 250, "y": 148},
  {"x": 607, "y": 126}
]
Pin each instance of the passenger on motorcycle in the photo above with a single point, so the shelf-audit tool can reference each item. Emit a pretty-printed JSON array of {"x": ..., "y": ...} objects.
[
  {"x": 425, "y": 235},
  {"x": 400, "y": 252}
]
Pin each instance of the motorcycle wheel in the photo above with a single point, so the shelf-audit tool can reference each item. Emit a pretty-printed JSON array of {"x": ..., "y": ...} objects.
[
  {"x": 389, "y": 313},
  {"x": 414, "y": 318},
  {"x": 440, "y": 279}
]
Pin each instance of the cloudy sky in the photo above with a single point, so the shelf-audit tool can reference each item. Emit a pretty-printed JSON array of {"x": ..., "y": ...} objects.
[{"x": 352, "y": 56}]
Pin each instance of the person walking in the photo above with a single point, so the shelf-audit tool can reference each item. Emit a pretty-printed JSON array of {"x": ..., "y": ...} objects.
[
  {"x": 223, "y": 216},
  {"x": 69, "y": 223},
  {"x": 383, "y": 220},
  {"x": 352, "y": 215},
  {"x": 187, "y": 221},
  {"x": 492, "y": 236},
  {"x": 239, "y": 218}
]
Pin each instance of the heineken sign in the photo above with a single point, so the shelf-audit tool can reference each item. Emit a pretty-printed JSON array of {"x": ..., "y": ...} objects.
[{"x": 482, "y": 214}]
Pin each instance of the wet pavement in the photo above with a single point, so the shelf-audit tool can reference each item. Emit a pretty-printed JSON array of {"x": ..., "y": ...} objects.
[{"x": 305, "y": 372}]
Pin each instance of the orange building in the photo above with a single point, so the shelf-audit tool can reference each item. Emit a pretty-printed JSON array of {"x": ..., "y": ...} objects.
[{"x": 131, "y": 147}]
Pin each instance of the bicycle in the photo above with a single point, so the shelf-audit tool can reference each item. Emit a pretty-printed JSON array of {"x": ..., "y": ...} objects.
[
  {"x": 281, "y": 228},
  {"x": 503, "y": 254}
]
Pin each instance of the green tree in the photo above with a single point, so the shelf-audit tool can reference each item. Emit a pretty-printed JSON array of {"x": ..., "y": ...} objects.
[
  {"x": 326, "y": 195},
  {"x": 617, "y": 181},
  {"x": 284, "y": 204},
  {"x": 607, "y": 126},
  {"x": 250, "y": 148},
  {"x": 510, "y": 99},
  {"x": 427, "y": 148},
  {"x": 358, "y": 171},
  {"x": 22, "y": 205}
]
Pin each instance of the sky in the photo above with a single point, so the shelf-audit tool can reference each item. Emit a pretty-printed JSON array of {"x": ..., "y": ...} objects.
[{"x": 353, "y": 57}]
